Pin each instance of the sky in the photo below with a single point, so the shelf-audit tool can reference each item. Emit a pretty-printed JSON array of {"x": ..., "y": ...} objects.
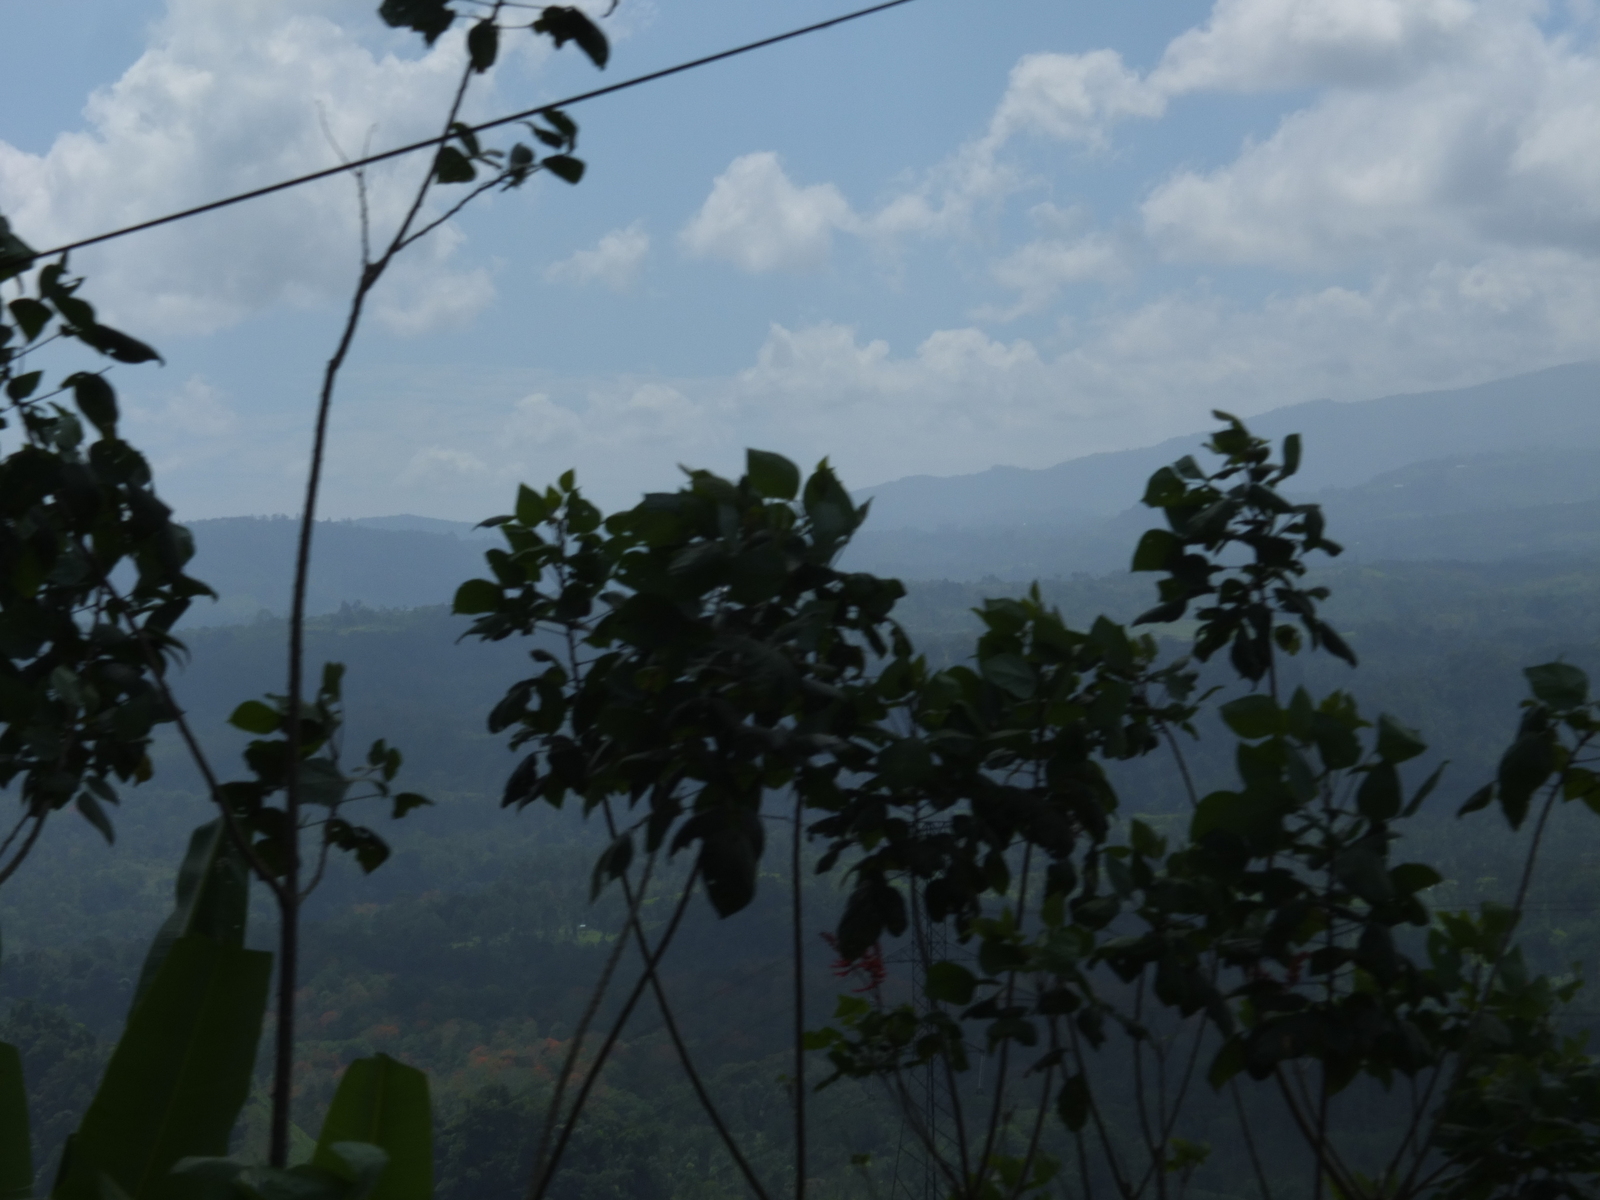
[{"x": 958, "y": 234}]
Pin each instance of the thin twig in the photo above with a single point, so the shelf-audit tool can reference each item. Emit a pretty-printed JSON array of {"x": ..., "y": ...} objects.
[
  {"x": 799, "y": 1007},
  {"x": 678, "y": 1043},
  {"x": 1250, "y": 1141},
  {"x": 575, "y": 1043},
  {"x": 27, "y": 845},
  {"x": 541, "y": 1184},
  {"x": 288, "y": 899}
]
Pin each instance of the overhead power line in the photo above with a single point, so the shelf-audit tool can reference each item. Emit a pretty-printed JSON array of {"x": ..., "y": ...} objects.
[{"x": 525, "y": 114}]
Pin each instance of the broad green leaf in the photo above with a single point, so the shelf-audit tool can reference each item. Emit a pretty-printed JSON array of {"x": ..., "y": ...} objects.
[
  {"x": 1155, "y": 550},
  {"x": 1523, "y": 769},
  {"x": 950, "y": 983},
  {"x": 430, "y": 18},
  {"x": 1254, "y": 716},
  {"x": 1378, "y": 798},
  {"x": 95, "y": 400},
  {"x": 478, "y": 596},
  {"x": 178, "y": 1076},
  {"x": 385, "y": 1104},
  {"x": 16, "y": 1151},
  {"x": 483, "y": 44},
  {"x": 772, "y": 475},
  {"x": 255, "y": 717},
  {"x": 564, "y": 167},
  {"x": 452, "y": 166},
  {"x": 1396, "y": 743},
  {"x": 1011, "y": 673},
  {"x": 1072, "y": 1102},
  {"x": 564, "y": 24},
  {"x": 531, "y": 508},
  {"x": 1558, "y": 684},
  {"x": 31, "y": 316}
]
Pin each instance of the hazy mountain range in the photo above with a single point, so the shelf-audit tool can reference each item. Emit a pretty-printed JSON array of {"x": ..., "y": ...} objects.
[{"x": 1476, "y": 474}]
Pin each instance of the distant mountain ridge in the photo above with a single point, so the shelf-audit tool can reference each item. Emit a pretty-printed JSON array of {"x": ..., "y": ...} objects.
[
  {"x": 1477, "y": 474},
  {"x": 1346, "y": 443}
]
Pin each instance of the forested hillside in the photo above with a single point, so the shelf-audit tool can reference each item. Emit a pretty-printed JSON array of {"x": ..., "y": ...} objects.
[{"x": 471, "y": 952}]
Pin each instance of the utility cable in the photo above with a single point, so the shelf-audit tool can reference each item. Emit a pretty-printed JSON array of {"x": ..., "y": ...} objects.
[{"x": 412, "y": 148}]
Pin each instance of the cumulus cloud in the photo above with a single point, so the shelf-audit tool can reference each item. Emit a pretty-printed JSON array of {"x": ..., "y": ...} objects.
[
  {"x": 614, "y": 262},
  {"x": 1494, "y": 147},
  {"x": 1254, "y": 45},
  {"x": 760, "y": 220},
  {"x": 227, "y": 97}
]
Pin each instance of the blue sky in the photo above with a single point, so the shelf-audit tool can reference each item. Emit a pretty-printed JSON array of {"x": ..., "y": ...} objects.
[{"x": 958, "y": 234}]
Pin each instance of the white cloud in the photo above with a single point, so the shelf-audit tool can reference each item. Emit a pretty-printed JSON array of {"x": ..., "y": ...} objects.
[
  {"x": 615, "y": 261},
  {"x": 1253, "y": 45},
  {"x": 1071, "y": 97},
  {"x": 1492, "y": 149},
  {"x": 440, "y": 466},
  {"x": 227, "y": 97},
  {"x": 759, "y": 220}
]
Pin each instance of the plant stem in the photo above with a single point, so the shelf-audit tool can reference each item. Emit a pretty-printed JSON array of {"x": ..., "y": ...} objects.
[{"x": 799, "y": 1011}]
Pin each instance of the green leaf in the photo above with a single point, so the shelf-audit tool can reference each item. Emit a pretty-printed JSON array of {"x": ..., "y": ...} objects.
[
  {"x": 1164, "y": 489},
  {"x": 1479, "y": 799},
  {"x": 404, "y": 802},
  {"x": 1230, "y": 1060},
  {"x": 212, "y": 899},
  {"x": 772, "y": 475},
  {"x": 1523, "y": 769},
  {"x": 96, "y": 816},
  {"x": 452, "y": 166},
  {"x": 95, "y": 400},
  {"x": 1558, "y": 684},
  {"x": 1155, "y": 550},
  {"x": 383, "y": 1103},
  {"x": 115, "y": 344},
  {"x": 483, "y": 44},
  {"x": 1378, "y": 798},
  {"x": 1291, "y": 456},
  {"x": 1254, "y": 716},
  {"x": 1072, "y": 1102},
  {"x": 478, "y": 596},
  {"x": 1011, "y": 673},
  {"x": 564, "y": 24},
  {"x": 531, "y": 508},
  {"x": 1410, "y": 878},
  {"x": 178, "y": 1076},
  {"x": 1425, "y": 790},
  {"x": 950, "y": 983},
  {"x": 22, "y": 386},
  {"x": 31, "y": 316},
  {"x": 1396, "y": 743},
  {"x": 255, "y": 717},
  {"x": 430, "y": 18},
  {"x": 16, "y": 1150},
  {"x": 16, "y": 256},
  {"x": 564, "y": 166}
]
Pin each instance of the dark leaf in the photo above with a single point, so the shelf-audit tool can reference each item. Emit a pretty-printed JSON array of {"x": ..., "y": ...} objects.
[
  {"x": 1558, "y": 684},
  {"x": 452, "y": 166},
  {"x": 1396, "y": 743},
  {"x": 31, "y": 315},
  {"x": 564, "y": 24},
  {"x": 564, "y": 166},
  {"x": 96, "y": 816},
  {"x": 115, "y": 344},
  {"x": 95, "y": 400},
  {"x": 430, "y": 18},
  {"x": 950, "y": 983},
  {"x": 483, "y": 44},
  {"x": 772, "y": 475},
  {"x": 255, "y": 717},
  {"x": 1072, "y": 1102}
]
